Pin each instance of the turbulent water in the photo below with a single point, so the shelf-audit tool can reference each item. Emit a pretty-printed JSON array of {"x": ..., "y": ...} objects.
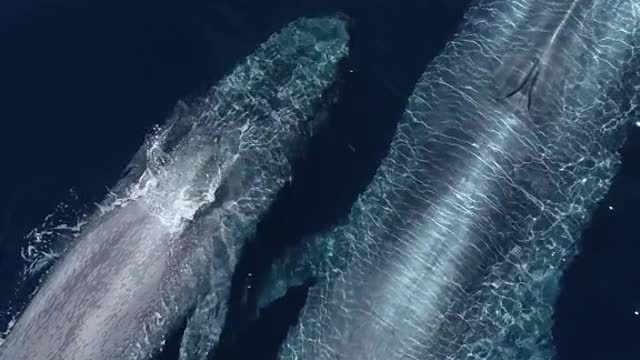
[
  {"x": 508, "y": 142},
  {"x": 166, "y": 241}
]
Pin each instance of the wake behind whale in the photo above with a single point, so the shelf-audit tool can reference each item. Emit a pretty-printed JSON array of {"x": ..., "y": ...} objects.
[
  {"x": 508, "y": 142},
  {"x": 167, "y": 240}
]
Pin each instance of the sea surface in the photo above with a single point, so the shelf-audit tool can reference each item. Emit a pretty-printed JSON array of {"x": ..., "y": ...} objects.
[{"x": 82, "y": 83}]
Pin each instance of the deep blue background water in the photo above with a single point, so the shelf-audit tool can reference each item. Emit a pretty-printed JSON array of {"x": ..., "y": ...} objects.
[{"x": 81, "y": 83}]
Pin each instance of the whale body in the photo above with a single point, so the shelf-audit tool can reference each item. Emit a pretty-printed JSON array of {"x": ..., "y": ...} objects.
[
  {"x": 165, "y": 243},
  {"x": 508, "y": 142}
]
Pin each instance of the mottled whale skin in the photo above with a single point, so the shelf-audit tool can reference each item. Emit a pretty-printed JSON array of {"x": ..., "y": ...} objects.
[
  {"x": 508, "y": 142},
  {"x": 166, "y": 242}
]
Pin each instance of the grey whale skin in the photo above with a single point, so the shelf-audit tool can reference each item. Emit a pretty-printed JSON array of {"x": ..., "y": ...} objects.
[
  {"x": 456, "y": 248},
  {"x": 167, "y": 240}
]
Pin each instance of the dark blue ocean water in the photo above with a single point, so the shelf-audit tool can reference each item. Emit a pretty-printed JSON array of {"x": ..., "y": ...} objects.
[{"x": 81, "y": 83}]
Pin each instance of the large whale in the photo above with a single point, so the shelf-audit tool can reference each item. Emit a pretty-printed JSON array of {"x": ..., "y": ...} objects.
[
  {"x": 508, "y": 142},
  {"x": 166, "y": 243}
]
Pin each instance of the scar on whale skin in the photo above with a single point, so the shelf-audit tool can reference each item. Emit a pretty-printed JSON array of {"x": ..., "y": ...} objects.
[{"x": 525, "y": 85}]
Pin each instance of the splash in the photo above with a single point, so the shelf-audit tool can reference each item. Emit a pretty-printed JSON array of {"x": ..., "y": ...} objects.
[{"x": 166, "y": 238}]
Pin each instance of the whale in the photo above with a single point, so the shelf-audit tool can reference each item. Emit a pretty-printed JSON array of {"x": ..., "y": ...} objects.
[
  {"x": 457, "y": 247},
  {"x": 163, "y": 245}
]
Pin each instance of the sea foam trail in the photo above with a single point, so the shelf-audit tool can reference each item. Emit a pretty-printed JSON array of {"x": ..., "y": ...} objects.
[
  {"x": 508, "y": 142},
  {"x": 166, "y": 241}
]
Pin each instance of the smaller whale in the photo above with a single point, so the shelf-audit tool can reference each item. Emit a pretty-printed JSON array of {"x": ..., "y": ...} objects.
[{"x": 456, "y": 248}]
